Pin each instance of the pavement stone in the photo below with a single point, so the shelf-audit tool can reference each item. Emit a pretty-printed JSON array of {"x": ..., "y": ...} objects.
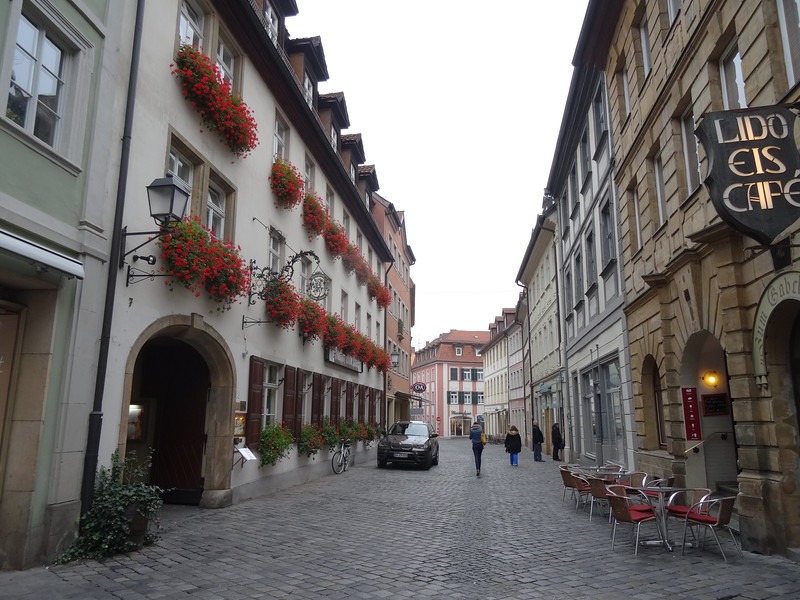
[{"x": 405, "y": 533}]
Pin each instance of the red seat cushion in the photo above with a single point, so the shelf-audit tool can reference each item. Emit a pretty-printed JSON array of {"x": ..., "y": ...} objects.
[
  {"x": 701, "y": 517},
  {"x": 678, "y": 509}
]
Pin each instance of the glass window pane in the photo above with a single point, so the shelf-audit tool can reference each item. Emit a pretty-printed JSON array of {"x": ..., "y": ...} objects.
[
  {"x": 51, "y": 57},
  {"x": 47, "y": 89},
  {"x": 27, "y": 36},
  {"x": 45, "y": 126}
]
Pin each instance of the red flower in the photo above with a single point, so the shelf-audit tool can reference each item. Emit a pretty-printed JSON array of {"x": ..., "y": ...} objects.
[
  {"x": 211, "y": 96},
  {"x": 196, "y": 259},
  {"x": 379, "y": 291},
  {"x": 282, "y": 303},
  {"x": 286, "y": 183},
  {"x": 335, "y": 239},
  {"x": 315, "y": 215},
  {"x": 311, "y": 319}
]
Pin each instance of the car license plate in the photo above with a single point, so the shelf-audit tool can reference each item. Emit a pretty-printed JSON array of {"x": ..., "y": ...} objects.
[{"x": 400, "y": 455}]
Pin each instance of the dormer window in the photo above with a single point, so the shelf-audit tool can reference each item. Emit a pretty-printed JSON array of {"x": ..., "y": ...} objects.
[
  {"x": 459, "y": 351},
  {"x": 308, "y": 90},
  {"x": 334, "y": 138},
  {"x": 191, "y": 26},
  {"x": 271, "y": 18},
  {"x": 352, "y": 172},
  {"x": 366, "y": 199}
]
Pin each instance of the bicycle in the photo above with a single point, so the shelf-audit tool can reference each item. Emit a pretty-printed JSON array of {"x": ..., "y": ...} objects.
[{"x": 341, "y": 458}]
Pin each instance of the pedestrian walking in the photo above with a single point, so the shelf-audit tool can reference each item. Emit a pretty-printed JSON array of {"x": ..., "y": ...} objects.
[
  {"x": 558, "y": 441},
  {"x": 477, "y": 439},
  {"x": 513, "y": 445},
  {"x": 538, "y": 440}
]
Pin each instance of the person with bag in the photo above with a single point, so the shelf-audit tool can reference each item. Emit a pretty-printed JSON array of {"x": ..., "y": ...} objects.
[
  {"x": 477, "y": 437},
  {"x": 558, "y": 441},
  {"x": 513, "y": 445},
  {"x": 538, "y": 440}
]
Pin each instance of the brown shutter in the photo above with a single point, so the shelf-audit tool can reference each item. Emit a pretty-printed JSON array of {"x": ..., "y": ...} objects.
[
  {"x": 362, "y": 403},
  {"x": 290, "y": 416},
  {"x": 255, "y": 400},
  {"x": 336, "y": 393},
  {"x": 373, "y": 406},
  {"x": 317, "y": 399},
  {"x": 348, "y": 406}
]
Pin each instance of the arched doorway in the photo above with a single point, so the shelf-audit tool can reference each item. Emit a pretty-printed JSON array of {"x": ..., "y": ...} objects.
[
  {"x": 173, "y": 387},
  {"x": 179, "y": 405},
  {"x": 711, "y": 460}
]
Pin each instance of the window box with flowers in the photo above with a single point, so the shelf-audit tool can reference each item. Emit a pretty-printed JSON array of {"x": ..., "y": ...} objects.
[
  {"x": 335, "y": 239},
  {"x": 197, "y": 260},
  {"x": 286, "y": 183},
  {"x": 310, "y": 441},
  {"x": 312, "y": 319},
  {"x": 282, "y": 303},
  {"x": 379, "y": 291},
  {"x": 275, "y": 443},
  {"x": 315, "y": 215},
  {"x": 211, "y": 96}
]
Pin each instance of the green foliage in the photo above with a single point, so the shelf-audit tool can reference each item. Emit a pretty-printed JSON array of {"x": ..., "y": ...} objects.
[
  {"x": 329, "y": 434},
  {"x": 346, "y": 430},
  {"x": 310, "y": 441},
  {"x": 120, "y": 497},
  {"x": 276, "y": 440}
]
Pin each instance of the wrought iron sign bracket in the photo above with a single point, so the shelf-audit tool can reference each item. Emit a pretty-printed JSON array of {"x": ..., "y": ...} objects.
[
  {"x": 781, "y": 254},
  {"x": 260, "y": 277},
  {"x": 135, "y": 275}
]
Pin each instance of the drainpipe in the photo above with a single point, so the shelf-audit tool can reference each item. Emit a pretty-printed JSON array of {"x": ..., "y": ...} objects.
[
  {"x": 386, "y": 348},
  {"x": 96, "y": 416}
]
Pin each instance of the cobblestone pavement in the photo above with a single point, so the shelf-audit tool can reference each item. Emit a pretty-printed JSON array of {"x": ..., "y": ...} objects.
[{"x": 407, "y": 533}]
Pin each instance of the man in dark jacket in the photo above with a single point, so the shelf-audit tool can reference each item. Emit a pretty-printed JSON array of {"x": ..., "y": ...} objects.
[
  {"x": 538, "y": 440},
  {"x": 558, "y": 441}
]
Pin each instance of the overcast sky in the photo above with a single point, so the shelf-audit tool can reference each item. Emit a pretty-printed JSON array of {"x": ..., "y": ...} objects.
[{"x": 459, "y": 104}]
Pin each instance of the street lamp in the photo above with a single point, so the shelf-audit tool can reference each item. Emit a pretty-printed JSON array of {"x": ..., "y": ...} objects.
[
  {"x": 395, "y": 356},
  {"x": 168, "y": 199}
]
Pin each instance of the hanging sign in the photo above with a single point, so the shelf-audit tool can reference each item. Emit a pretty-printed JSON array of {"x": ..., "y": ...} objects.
[
  {"x": 753, "y": 169},
  {"x": 691, "y": 413}
]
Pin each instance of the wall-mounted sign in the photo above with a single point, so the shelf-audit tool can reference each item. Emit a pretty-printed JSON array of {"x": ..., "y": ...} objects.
[
  {"x": 753, "y": 169},
  {"x": 418, "y": 387},
  {"x": 715, "y": 405},
  {"x": 691, "y": 414},
  {"x": 343, "y": 360}
]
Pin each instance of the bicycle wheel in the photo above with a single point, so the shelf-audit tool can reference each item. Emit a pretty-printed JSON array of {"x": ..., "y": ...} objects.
[
  {"x": 346, "y": 458},
  {"x": 337, "y": 462}
]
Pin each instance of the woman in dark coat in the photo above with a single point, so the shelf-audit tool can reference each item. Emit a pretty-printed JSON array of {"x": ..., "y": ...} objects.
[
  {"x": 558, "y": 441},
  {"x": 514, "y": 445}
]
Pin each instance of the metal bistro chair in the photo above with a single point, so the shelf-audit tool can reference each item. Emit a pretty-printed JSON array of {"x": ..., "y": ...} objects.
[
  {"x": 599, "y": 495},
  {"x": 635, "y": 479},
  {"x": 620, "y": 507},
  {"x": 713, "y": 513},
  {"x": 569, "y": 482},
  {"x": 583, "y": 490}
]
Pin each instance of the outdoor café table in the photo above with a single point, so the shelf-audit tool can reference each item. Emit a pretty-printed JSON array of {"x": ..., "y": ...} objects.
[
  {"x": 661, "y": 493},
  {"x": 607, "y": 475}
]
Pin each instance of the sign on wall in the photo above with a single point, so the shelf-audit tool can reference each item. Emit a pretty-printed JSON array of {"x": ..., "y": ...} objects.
[
  {"x": 691, "y": 413},
  {"x": 753, "y": 169}
]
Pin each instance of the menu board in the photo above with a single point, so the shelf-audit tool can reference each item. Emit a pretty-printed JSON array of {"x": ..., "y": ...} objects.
[
  {"x": 691, "y": 413},
  {"x": 715, "y": 404}
]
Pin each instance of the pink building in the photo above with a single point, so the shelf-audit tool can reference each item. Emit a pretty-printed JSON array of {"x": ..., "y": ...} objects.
[{"x": 451, "y": 369}]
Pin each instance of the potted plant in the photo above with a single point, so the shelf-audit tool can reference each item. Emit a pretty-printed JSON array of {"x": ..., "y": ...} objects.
[
  {"x": 282, "y": 303},
  {"x": 124, "y": 511},
  {"x": 310, "y": 441},
  {"x": 315, "y": 215},
  {"x": 275, "y": 443},
  {"x": 286, "y": 183},
  {"x": 311, "y": 319},
  {"x": 211, "y": 96}
]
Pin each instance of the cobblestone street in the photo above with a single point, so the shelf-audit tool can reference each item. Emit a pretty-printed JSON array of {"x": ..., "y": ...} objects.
[{"x": 407, "y": 533}]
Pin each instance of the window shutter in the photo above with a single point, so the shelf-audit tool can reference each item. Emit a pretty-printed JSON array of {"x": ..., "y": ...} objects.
[
  {"x": 290, "y": 412},
  {"x": 255, "y": 400},
  {"x": 336, "y": 394},
  {"x": 474, "y": 374},
  {"x": 373, "y": 405},
  {"x": 348, "y": 406},
  {"x": 317, "y": 399},
  {"x": 362, "y": 403}
]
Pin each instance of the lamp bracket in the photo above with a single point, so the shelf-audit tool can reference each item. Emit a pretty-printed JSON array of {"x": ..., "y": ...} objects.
[
  {"x": 249, "y": 322},
  {"x": 260, "y": 277},
  {"x": 153, "y": 235}
]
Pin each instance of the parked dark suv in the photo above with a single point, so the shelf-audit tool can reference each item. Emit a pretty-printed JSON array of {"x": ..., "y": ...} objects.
[{"x": 409, "y": 442}]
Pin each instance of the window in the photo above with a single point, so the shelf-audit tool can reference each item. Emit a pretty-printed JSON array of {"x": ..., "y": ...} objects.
[
  {"x": 673, "y": 6},
  {"x": 215, "y": 211},
  {"x": 272, "y": 22},
  {"x": 310, "y": 170},
  {"x": 459, "y": 351},
  {"x": 691, "y": 161},
  {"x": 467, "y": 397},
  {"x": 36, "y": 91},
  {"x": 334, "y": 138},
  {"x": 661, "y": 201},
  {"x": 607, "y": 252},
  {"x": 281, "y": 138},
  {"x": 586, "y": 160},
  {"x": 644, "y": 40},
  {"x": 329, "y": 196},
  {"x": 789, "y": 21},
  {"x": 480, "y": 397},
  {"x": 308, "y": 89},
  {"x": 453, "y": 397},
  {"x": 568, "y": 290},
  {"x": 190, "y": 27},
  {"x": 345, "y": 300},
  {"x": 591, "y": 260},
  {"x": 225, "y": 62},
  {"x": 573, "y": 188},
  {"x": 305, "y": 274},
  {"x": 599, "y": 111},
  {"x": 276, "y": 245},
  {"x": 262, "y": 398},
  {"x": 180, "y": 167},
  {"x": 453, "y": 373},
  {"x": 637, "y": 221},
  {"x": 346, "y": 224},
  {"x": 357, "y": 317},
  {"x": 352, "y": 172},
  {"x": 732, "y": 79},
  {"x": 625, "y": 90},
  {"x": 466, "y": 374},
  {"x": 578, "y": 277}
]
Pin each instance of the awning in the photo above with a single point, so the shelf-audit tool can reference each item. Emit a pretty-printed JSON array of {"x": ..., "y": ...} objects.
[
  {"x": 39, "y": 254},
  {"x": 544, "y": 389}
]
